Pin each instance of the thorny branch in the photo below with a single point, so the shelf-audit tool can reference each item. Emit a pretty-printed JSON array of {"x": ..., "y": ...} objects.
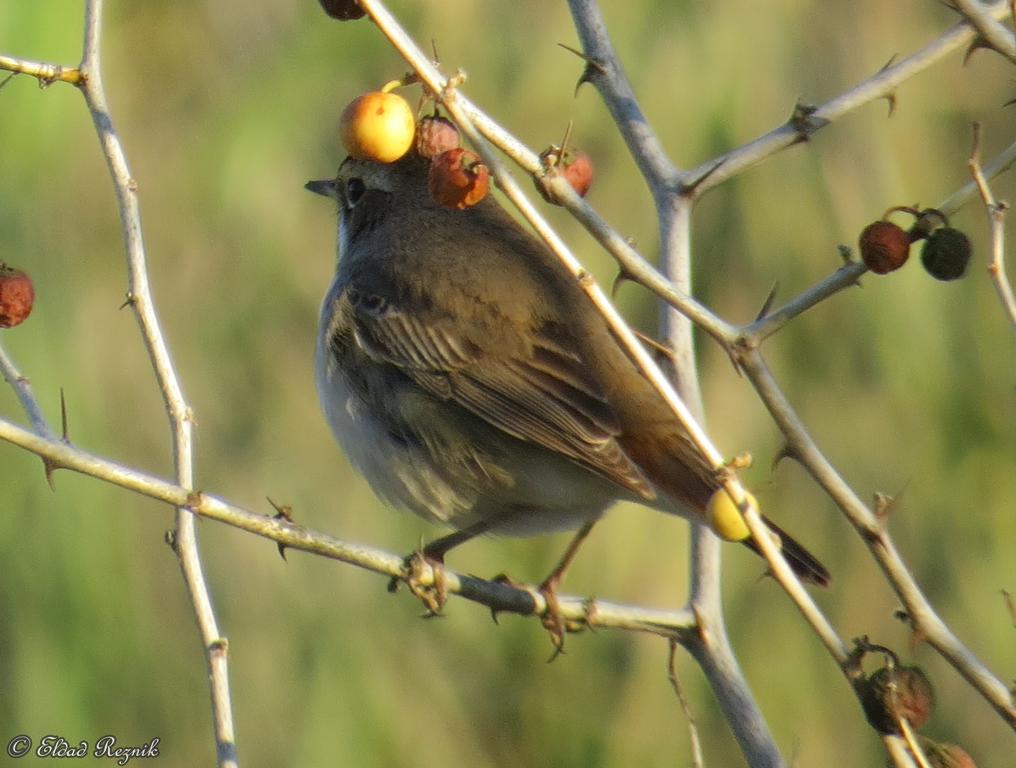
[
  {"x": 711, "y": 645},
  {"x": 499, "y": 597},
  {"x": 88, "y": 78},
  {"x": 873, "y": 533},
  {"x": 881, "y": 85},
  {"x": 46, "y": 74},
  {"x": 991, "y": 33}
]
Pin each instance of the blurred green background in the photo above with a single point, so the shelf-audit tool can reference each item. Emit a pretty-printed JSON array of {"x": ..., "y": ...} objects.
[{"x": 226, "y": 108}]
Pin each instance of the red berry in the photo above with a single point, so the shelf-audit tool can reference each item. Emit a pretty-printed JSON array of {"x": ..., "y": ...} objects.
[
  {"x": 578, "y": 169},
  {"x": 343, "y": 10},
  {"x": 884, "y": 247},
  {"x": 458, "y": 179},
  {"x": 16, "y": 296},
  {"x": 435, "y": 135},
  {"x": 575, "y": 166},
  {"x": 900, "y": 692}
]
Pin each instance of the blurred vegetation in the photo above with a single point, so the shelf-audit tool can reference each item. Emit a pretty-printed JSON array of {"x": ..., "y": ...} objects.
[{"x": 226, "y": 108}]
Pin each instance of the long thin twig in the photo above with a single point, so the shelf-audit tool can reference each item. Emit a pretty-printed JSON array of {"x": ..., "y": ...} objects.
[
  {"x": 872, "y": 531},
  {"x": 498, "y": 596},
  {"x": 881, "y": 85},
  {"x": 849, "y": 274},
  {"x": 45, "y": 73},
  {"x": 26, "y": 397},
  {"x": 996, "y": 211},
  {"x": 711, "y": 645},
  {"x": 697, "y": 760},
  {"x": 180, "y": 418}
]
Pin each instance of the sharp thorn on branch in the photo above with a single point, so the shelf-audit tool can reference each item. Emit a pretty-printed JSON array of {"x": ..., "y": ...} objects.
[
  {"x": 49, "y": 467},
  {"x": 590, "y": 61},
  {"x": 1010, "y": 605},
  {"x": 768, "y": 303},
  {"x": 591, "y": 70},
  {"x": 282, "y": 512},
  {"x": 63, "y": 418},
  {"x": 691, "y": 186},
  {"x": 892, "y": 60},
  {"x": 786, "y": 452},
  {"x": 661, "y": 352},
  {"x": 977, "y": 44},
  {"x": 623, "y": 276}
]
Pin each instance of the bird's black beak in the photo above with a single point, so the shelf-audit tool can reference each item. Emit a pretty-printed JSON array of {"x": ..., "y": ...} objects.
[{"x": 324, "y": 187}]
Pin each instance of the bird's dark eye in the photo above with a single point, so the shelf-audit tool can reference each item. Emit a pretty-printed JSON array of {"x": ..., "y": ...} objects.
[{"x": 355, "y": 189}]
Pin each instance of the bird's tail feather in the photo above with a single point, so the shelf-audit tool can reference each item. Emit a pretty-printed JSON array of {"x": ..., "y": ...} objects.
[{"x": 804, "y": 564}]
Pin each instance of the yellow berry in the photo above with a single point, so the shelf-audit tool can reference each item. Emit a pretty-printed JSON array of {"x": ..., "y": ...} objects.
[
  {"x": 725, "y": 518},
  {"x": 377, "y": 126}
]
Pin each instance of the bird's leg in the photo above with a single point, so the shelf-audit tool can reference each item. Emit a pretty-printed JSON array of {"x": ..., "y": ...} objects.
[
  {"x": 435, "y": 595},
  {"x": 553, "y": 621}
]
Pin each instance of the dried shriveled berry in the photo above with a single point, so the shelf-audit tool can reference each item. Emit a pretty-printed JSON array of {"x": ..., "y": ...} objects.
[
  {"x": 16, "y": 296},
  {"x": 578, "y": 169},
  {"x": 458, "y": 179},
  {"x": 899, "y": 692},
  {"x": 574, "y": 165},
  {"x": 343, "y": 10},
  {"x": 435, "y": 135},
  {"x": 884, "y": 247},
  {"x": 946, "y": 254}
]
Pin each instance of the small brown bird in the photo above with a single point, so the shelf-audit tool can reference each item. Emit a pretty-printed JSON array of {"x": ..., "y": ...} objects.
[{"x": 471, "y": 381}]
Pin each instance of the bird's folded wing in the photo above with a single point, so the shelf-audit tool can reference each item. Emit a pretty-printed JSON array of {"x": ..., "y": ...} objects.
[{"x": 541, "y": 391}]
